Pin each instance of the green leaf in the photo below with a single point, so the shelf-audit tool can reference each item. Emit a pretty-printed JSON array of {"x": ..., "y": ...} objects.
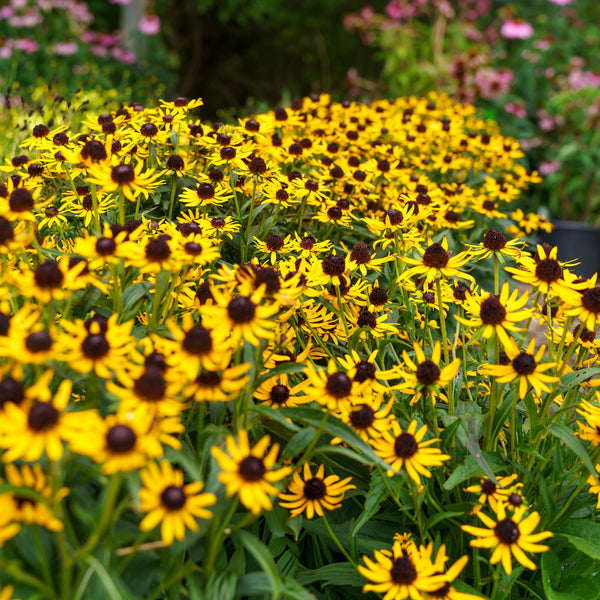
[
  {"x": 134, "y": 293},
  {"x": 334, "y": 574},
  {"x": 263, "y": 557},
  {"x": 551, "y": 572},
  {"x": 115, "y": 589},
  {"x": 471, "y": 467},
  {"x": 286, "y": 367},
  {"x": 563, "y": 433},
  {"x": 583, "y": 534},
  {"x": 375, "y": 496},
  {"x": 575, "y": 378},
  {"x": 299, "y": 442}
]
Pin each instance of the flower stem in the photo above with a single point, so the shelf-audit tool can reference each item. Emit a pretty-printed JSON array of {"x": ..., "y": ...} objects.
[{"x": 337, "y": 542}]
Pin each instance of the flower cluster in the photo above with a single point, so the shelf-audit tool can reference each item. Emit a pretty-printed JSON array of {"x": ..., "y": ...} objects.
[{"x": 264, "y": 341}]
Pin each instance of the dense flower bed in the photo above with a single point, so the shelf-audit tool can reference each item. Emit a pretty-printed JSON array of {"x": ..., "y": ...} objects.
[{"x": 290, "y": 357}]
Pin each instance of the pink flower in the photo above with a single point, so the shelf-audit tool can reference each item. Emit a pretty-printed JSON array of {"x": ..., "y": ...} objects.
[
  {"x": 560, "y": 2},
  {"x": 120, "y": 1},
  {"x": 546, "y": 168},
  {"x": 583, "y": 79},
  {"x": 123, "y": 55},
  {"x": 149, "y": 24},
  {"x": 516, "y": 29},
  {"x": 26, "y": 45},
  {"x": 65, "y": 48},
  {"x": 516, "y": 109}
]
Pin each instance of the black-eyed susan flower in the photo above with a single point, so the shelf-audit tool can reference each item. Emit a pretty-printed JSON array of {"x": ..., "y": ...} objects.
[
  {"x": 171, "y": 503},
  {"x": 330, "y": 388},
  {"x": 425, "y": 375},
  {"x": 195, "y": 346},
  {"x": 242, "y": 317},
  {"x": 590, "y": 430},
  {"x": 436, "y": 263},
  {"x": 26, "y": 508},
  {"x": 587, "y": 306},
  {"x": 524, "y": 366},
  {"x": 495, "y": 243},
  {"x": 127, "y": 440},
  {"x": 361, "y": 259},
  {"x": 496, "y": 314},
  {"x": 401, "y": 572},
  {"x": 446, "y": 591},
  {"x": 278, "y": 392},
  {"x": 218, "y": 386},
  {"x": 509, "y": 537},
  {"x": 409, "y": 450},
  {"x": 101, "y": 345},
  {"x": 310, "y": 494},
  {"x": 132, "y": 180},
  {"x": 41, "y": 426},
  {"x": 492, "y": 492},
  {"x": 368, "y": 415},
  {"x": 548, "y": 276},
  {"x": 248, "y": 470}
]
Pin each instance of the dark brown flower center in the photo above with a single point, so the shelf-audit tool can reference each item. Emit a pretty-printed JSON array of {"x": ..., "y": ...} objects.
[
  {"x": 591, "y": 299},
  {"x": 94, "y": 150},
  {"x": 120, "y": 439},
  {"x": 42, "y": 416},
  {"x": 205, "y": 191},
  {"x": 364, "y": 370},
  {"x": 363, "y": 417},
  {"x": 367, "y": 319},
  {"x": 279, "y": 394},
  {"x": 338, "y": 385},
  {"x": 274, "y": 242},
  {"x": 524, "y": 364},
  {"x": 515, "y": 499},
  {"x": 157, "y": 249},
  {"x": 435, "y": 257},
  {"x": 252, "y": 468},
  {"x": 20, "y": 200},
  {"x": 548, "y": 270},
  {"x": 173, "y": 498},
  {"x": 150, "y": 385},
  {"x": 175, "y": 162},
  {"x": 403, "y": 572},
  {"x": 122, "y": 174},
  {"x": 333, "y": 264},
  {"x": 11, "y": 390},
  {"x": 488, "y": 487},
  {"x": 257, "y": 166},
  {"x": 360, "y": 253},
  {"x": 148, "y": 129},
  {"x": 40, "y": 341},
  {"x": 193, "y": 248},
  {"x": 105, "y": 246},
  {"x": 48, "y": 275},
  {"x": 95, "y": 346},
  {"x": 428, "y": 372},
  {"x": 7, "y": 232},
  {"x": 197, "y": 340},
  {"x": 241, "y": 309},
  {"x": 507, "y": 531},
  {"x": 406, "y": 445},
  {"x": 494, "y": 240},
  {"x": 491, "y": 311},
  {"x": 315, "y": 489}
]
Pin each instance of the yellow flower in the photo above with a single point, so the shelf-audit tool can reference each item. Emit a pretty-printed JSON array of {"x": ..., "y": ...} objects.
[
  {"x": 407, "y": 449},
  {"x": 171, "y": 503},
  {"x": 509, "y": 536},
  {"x": 248, "y": 471},
  {"x": 312, "y": 494}
]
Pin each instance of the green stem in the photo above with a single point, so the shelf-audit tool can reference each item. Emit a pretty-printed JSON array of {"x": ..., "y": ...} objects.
[
  {"x": 387, "y": 485},
  {"x": 308, "y": 452},
  {"x": 413, "y": 492},
  {"x": 489, "y": 440},
  {"x": 215, "y": 542},
  {"x": 105, "y": 518},
  {"x": 16, "y": 573},
  {"x": 337, "y": 542},
  {"x": 171, "y": 199}
]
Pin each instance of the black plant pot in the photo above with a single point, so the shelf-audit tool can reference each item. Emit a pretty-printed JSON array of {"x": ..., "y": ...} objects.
[{"x": 576, "y": 241}]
